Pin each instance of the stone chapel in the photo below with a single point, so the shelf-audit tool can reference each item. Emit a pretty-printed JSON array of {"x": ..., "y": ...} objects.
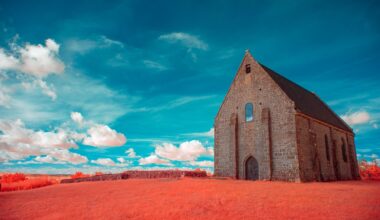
[{"x": 270, "y": 128}]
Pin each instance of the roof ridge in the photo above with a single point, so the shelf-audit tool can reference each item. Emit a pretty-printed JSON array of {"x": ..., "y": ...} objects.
[
  {"x": 283, "y": 77},
  {"x": 328, "y": 107}
]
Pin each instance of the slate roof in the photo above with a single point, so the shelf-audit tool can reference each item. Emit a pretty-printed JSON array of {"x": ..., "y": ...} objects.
[{"x": 307, "y": 102}]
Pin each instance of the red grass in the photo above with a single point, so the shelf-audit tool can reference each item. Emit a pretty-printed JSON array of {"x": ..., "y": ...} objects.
[
  {"x": 79, "y": 175},
  {"x": 98, "y": 173},
  {"x": 17, "y": 181},
  {"x": 369, "y": 171},
  {"x": 12, "y": 177},
  {"x": 195, "y": 198}
]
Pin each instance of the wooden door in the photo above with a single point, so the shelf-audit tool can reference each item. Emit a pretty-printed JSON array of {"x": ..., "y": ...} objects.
[{"x": 251, "y": 169}]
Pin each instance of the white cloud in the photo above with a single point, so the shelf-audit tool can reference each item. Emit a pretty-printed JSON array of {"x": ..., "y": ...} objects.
[
  {"x": 99, "y": 135},
  {"x": 46, "y": 89},
  {"x": 77, "y": 117},
  {"x": 107, "y": 42},
  {"x": 40, "y": 61},
  {"x": 42, "y": 159},
  {"x": 95, "y": 101},
  {"x": 66, "y": 156},
  {"x": 32, "y": 63},
  {"x": 177, "y": 102},
  {"x": 70, "y": 169},
  {"x": 7, "y": 61},
  {"x": 187, "y": 99},
  {"x": 104, "y": 136},
  {"x": 5, "y": 99},
  {"x": 45, "y": 159},
  {"x": 15, "y": 132},
  {"x": 18, "y": 142},
  {"x": 121, "y": 160},
  {"x": 364, "y": 150},
  {"x": 49, "y": 91},
  {"x": 83, "y": 46},
  {"x": 153, "y": 140},
  {"x": 104, "y": 162},
  {"x": 154, "y": 65},
  {"x": 356, "y": 118},
  {"x": 110, "y": 163},
  {"x": 53, "y": 144},
  {"x": 154, "y": 159},
  {"x": 52, "y": 45},
  {"x": 187, "y": 40},
  {"x": 187, "y": 151},
  {"x": 36, "y": 60},
  {"x": 80, "y": 45},
  {"x": 28, "y": 162},
  {"x": 131, "y": 153},
  {"x": 205, "y": 163},
  {"x": 209, "y": 133}
]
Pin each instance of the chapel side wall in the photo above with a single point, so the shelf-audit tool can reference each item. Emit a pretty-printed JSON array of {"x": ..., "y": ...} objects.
[
  {"x": 304, "y": 150},
  {"x": 315, "y": 164},
  {"x": 344, "y": 166},
  {"x": 353, "y": 157}
]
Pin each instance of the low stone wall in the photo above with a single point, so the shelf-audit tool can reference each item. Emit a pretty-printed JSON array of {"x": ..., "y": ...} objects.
[
  {"x": 149, "y": 174},
  {"x": 97, "y": 178},
  {"x": 142, "y": 174}
]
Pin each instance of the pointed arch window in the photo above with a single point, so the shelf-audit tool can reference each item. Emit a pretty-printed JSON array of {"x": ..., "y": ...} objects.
[
  {"x": 344, "y": 150},
  {"x": 248, "y": 112},
  {"x": 327, "y": 148}
]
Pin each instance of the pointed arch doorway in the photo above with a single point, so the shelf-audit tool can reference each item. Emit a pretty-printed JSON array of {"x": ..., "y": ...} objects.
[{"x": 251, "y": 169}]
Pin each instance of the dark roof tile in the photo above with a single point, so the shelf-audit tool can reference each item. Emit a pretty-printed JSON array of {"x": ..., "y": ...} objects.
[{"x": 307, "y": 102}]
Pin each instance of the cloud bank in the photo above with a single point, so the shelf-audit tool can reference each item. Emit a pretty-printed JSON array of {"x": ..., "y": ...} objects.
[
  {"x": 18, "y": 142},
  {"x": 36, "y": 60},
  {"x": 356, "y": 118},
  {"x": 185, "y": 39},
  {"x": 99, "y": 135},
  {"x": 187, "y": 152}
]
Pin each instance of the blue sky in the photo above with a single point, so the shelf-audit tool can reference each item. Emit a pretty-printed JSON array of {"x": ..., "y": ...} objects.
[{"x": 107, "y": 86}]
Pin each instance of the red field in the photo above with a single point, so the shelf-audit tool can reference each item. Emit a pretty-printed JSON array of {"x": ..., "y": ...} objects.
[
  {"x": 189, "y": 198},
  {"x": 20, "y": 181}
]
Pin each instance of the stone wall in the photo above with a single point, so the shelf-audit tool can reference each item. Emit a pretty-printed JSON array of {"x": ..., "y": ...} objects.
[
  {"x": 322, "y": 159},
  {"x": 270, "y": 137}
]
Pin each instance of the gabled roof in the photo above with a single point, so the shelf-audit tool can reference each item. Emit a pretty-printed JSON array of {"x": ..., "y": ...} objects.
[{"x": 307, "y": 102}]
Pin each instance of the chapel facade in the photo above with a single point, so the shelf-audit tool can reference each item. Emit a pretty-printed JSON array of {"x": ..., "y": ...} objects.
[{"x": 270, "y": 128}]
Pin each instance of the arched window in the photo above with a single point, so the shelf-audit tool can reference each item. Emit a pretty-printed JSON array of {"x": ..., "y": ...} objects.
[
  {"x": 248, "y": 112},
  {"x": 327, "y": 148},
  {"x": 344, "y": 150}
]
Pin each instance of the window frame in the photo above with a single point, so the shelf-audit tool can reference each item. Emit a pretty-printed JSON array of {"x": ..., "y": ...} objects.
[{"x": 249, "y": 105}]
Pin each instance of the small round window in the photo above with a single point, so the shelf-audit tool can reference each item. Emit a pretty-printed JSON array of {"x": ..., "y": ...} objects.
[{"x": 248, "y": 112}]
